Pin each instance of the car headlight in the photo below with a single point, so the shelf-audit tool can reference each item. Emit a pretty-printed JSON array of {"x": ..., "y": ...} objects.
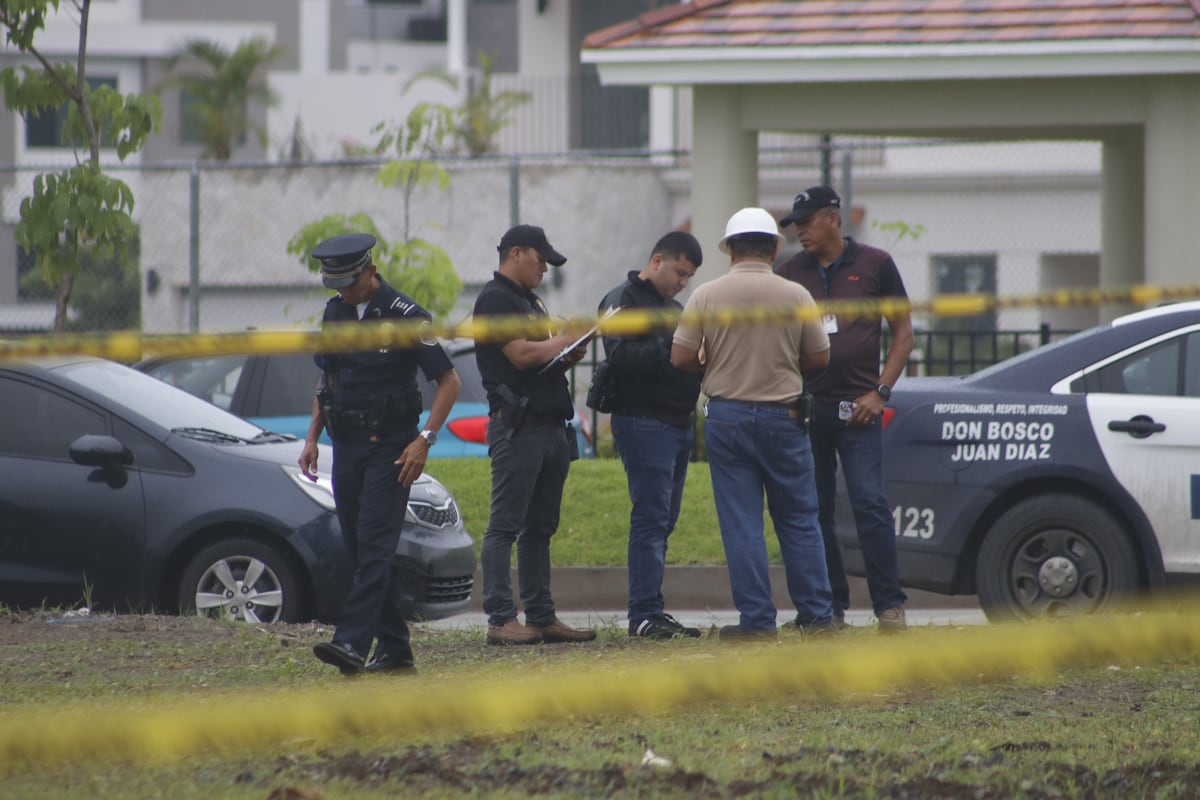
[{"x": 320, "y": 490}]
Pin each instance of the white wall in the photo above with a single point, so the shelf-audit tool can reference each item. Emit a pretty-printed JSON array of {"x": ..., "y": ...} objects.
[
  {"x": 603, "y": 218},
  {"x": 345, "y": 107}
]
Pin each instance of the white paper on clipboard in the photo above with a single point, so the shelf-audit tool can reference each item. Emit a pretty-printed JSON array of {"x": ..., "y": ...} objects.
[{"x": 587, "y": 337}]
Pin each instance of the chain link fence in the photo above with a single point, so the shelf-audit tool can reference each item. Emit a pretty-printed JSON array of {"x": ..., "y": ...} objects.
[{"x": 1007, "y": 218}]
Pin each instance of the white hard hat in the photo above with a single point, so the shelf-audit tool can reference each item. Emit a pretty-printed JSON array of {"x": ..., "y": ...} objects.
[{"x": 749, "y": 220}]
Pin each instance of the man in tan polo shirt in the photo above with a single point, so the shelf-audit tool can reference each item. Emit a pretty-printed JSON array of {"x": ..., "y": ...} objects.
[{"x": 753, "y": 432}]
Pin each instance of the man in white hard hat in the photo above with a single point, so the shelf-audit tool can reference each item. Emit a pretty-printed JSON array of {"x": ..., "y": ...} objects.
[{"x": 755, "y": 428}]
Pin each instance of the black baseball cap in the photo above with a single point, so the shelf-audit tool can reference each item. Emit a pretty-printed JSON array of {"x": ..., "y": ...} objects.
[
  {"x": 809, "y": 202},
  {"x": 343, "y": 258},
  {"x": 531, "y": 236}
]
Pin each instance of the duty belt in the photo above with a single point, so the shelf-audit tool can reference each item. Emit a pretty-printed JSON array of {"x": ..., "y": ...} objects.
[{"x": 532, "y": 420}]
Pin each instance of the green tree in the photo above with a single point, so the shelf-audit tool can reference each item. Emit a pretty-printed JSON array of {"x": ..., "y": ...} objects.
[
  {"x": 218, "y": 88},
  {"x": 78, "y": 211},
  {"x": 415, "y": 266},
  {"x": 475, "y": 123}
]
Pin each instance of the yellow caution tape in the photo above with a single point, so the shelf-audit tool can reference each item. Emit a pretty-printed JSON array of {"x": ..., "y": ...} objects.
[
  {"x": 130, "y": 346},
  {"x": 404, "y": 709}
]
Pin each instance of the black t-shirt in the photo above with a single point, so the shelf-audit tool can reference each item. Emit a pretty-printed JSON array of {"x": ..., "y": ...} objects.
[
  {"x": 358, "y": 377},
  {"x": 863, "y": 273},
  {"x": 548, "y": 392}
]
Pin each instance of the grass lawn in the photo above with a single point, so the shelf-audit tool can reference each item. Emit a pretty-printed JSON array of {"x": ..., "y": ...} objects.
[
  {"x": 594, "y": 528},
  {"x": 135, "y": 707}
]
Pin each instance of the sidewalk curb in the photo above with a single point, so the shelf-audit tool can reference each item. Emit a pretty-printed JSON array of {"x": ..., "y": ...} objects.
[{"x": 694, "y": 587}]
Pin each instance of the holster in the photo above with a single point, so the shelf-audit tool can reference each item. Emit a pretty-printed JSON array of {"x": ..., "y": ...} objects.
[
  {"x": 325, "y": 403},
  {"x": 377, "y": 414},
  {"x": 804, "y": 410},
  {"x": 513, "y": 408}
]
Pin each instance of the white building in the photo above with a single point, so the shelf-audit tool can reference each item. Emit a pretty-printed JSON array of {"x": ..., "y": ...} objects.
[{"x": 1016, "y": 216}]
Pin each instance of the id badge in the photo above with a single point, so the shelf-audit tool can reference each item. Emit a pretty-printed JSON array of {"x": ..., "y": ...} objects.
[{"x": 829, "y": 323}]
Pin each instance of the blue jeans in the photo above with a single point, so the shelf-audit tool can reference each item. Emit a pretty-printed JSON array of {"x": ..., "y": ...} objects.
[
  {"x": 754, "y": 447},
  {"x": 655, "y": 456},
  {"x": 529, "y": 470},
  {"x": 860, "y": 449}
]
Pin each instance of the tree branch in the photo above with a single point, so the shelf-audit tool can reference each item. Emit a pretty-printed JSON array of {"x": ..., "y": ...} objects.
[
  {"x": 55, "y": 75},
  {"x": 85, "y": 108}
]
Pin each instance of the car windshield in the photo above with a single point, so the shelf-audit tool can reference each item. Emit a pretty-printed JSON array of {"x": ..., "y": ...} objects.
[{"x": 168, "y": 406}]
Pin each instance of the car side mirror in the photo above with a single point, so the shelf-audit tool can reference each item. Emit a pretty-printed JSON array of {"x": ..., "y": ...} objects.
[{"x": 105, "y": 452}]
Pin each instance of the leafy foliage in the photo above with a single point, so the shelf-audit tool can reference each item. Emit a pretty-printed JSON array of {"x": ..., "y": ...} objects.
[
  {"x": 78, "y": 210},
  {"x": 220, "y": 87},
  {"x": 475, "y": 123},
  {"x": 415, "y": 266}
]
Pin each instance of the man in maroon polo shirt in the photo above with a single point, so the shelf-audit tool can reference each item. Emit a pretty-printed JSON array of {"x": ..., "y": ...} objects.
[{"x": 850, "y": 394}]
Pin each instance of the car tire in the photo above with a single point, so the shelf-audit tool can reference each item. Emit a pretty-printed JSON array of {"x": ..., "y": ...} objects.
[
  {"x": 1054, "y": 555},
  {"x": 213, "y": 584}
]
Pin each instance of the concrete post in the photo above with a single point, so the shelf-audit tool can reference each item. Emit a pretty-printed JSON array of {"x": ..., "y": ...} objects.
[
  {"x": 1172, "y": 189},
  {"x": 1122, "y": 215},
  {"x": 728, "y": 180}
]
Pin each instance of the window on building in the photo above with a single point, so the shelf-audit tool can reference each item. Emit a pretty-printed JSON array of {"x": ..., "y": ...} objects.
[
  {"x": 612, "y": 117},
  {"x": 46, "y": 129},
  {"x": 966, "y": 274}
]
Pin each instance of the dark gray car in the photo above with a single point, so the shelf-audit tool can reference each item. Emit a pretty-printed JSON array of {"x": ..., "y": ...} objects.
[{"x": 126, "y": 493}]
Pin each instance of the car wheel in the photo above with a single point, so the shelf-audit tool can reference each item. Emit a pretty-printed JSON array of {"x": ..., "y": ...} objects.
[
  {"x": 1056, "y": 555},
  {"x": 242, "y": 580}
]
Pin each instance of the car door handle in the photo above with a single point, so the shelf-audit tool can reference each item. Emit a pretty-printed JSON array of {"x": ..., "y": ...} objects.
[{"x": 1138, "y": 427}]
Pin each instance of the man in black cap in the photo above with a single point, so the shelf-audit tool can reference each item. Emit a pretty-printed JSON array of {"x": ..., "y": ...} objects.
[
  {"x": 370, "y": 404},
  {"x": 850, "y": 394},
  {"x": 527, "y": 435}
]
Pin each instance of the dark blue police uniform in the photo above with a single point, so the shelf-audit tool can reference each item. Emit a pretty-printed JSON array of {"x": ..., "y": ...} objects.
[{"x": 371, "y": 404}]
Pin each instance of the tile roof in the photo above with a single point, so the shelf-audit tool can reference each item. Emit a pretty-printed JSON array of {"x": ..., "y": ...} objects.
[{"x": 759, "y": 23}]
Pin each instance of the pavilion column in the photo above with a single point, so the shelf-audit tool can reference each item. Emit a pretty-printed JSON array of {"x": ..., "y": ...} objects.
[
  {"x": 724, "y": 170},
  {"x": 1172, "y": 188},
  {"x": 1122, "y": 215}
]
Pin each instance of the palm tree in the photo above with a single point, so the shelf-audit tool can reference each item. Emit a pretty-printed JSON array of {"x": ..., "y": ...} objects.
[
  {"x": 218, "y": 89},
  {"x": 483, "y": 113}
]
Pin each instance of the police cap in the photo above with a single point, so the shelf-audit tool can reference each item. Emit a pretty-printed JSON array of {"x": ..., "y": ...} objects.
[{"x": 343, "y": 258}]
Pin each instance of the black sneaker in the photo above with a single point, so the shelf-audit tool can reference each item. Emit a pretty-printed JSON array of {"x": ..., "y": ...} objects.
[
  {"x": 340, "y": 655},
  {"x": 662, "y": 626}
]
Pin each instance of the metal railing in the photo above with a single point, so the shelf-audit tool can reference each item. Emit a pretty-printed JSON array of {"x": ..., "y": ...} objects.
[{"x": 935, "y": 352}]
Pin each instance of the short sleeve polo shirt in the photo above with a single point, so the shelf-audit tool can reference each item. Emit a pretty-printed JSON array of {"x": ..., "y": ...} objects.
[
  {"x": 863, "y": 273},
  {"x": 548, "y": 393},
  {"x": 751, "y": 363}
]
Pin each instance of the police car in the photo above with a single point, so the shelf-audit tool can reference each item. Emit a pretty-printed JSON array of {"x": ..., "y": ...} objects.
[{"x": 1058, "y": 482}]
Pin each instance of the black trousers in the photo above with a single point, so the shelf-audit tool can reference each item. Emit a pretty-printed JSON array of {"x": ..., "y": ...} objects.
[{"x": 371, "y": 505}]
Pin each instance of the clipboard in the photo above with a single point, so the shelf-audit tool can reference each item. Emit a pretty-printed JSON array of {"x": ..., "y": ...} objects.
[{"x": 587, "y": 337}]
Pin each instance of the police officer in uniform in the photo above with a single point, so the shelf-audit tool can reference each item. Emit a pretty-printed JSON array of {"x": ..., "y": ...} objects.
[
  {"x": 370, "y": 404},
  {"x": 528, "y": 442}
]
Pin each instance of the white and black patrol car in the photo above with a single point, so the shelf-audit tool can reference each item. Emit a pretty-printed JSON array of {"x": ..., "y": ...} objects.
[{"x": 1056, "y": 482}]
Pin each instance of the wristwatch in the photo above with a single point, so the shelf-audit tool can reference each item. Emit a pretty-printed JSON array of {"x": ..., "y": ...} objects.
[
  {"x": 884, "y": 390},
  {"x": 429, "y": 436}
]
